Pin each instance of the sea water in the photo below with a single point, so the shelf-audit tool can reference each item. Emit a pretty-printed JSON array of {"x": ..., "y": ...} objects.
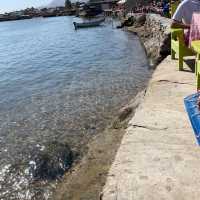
[{"x": 59, "y": 84}]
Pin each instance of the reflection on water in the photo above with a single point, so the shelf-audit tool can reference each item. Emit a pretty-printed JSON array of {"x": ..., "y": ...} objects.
[{"x": 60, "y": 84}]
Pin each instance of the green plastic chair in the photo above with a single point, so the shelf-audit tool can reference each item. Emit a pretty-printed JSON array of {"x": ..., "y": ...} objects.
[{"x": 178, "y": 46}]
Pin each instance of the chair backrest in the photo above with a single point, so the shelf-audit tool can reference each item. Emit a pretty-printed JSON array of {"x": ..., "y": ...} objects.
[{"x": 174, "y": 4}]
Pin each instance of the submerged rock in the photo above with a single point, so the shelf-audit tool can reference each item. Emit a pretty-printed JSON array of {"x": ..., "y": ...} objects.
[
  {"x": 53, "y": 161},
  {"x": 123, "y": 115},
  {"x": 28, "y": 179}
]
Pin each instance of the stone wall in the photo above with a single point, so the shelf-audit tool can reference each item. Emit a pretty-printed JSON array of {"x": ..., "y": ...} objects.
[{"x": 154, "y": 32}]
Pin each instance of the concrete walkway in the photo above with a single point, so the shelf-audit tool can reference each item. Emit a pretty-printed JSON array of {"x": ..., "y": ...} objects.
[{"x": 158, "y": 158}]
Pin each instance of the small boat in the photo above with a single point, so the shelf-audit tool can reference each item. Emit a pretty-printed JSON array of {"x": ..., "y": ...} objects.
[{"x": 87, "y": 24}]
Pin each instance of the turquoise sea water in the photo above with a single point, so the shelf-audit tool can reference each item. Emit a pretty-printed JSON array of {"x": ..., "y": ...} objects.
[{"x": 60, "y": 84}]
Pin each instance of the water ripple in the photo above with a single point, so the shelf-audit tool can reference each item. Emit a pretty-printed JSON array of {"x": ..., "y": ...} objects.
[{"x": 59, "y": 84}]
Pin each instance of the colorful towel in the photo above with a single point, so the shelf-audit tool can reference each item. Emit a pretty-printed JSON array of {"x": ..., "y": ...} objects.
[{"x": 194, "y": 28}]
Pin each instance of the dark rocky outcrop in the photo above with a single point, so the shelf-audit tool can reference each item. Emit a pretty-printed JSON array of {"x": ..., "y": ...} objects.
[
  {"x": 53, "y": 161},
  {"x": 28, "y": 179},
  {"x": 140, "y": 20}
]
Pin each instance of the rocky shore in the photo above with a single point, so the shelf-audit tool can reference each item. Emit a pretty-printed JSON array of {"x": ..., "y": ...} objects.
[
  {"x": 56, "y": 165},
  {"x": 154, "y": 32},
  {"x": 88, "y": 177}
]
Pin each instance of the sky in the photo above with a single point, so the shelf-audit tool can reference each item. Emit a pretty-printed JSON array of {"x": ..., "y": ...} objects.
[{"x": 11, "y": 5}]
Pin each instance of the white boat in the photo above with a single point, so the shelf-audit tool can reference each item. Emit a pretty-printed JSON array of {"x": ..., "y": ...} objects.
[{"x": 87, "y": 24}]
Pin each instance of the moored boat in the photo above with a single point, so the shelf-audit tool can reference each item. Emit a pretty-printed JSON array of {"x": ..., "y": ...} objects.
[{"x": 87, "y": 24}]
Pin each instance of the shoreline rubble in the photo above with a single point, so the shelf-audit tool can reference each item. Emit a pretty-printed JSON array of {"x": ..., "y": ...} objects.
[{"x": 154, "y": 33}]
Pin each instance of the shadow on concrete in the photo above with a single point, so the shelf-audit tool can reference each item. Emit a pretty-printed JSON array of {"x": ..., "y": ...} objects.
[{"x": 191, "y": 64}]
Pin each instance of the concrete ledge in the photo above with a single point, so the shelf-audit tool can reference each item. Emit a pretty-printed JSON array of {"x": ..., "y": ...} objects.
[{"x": 158, "y": 157}]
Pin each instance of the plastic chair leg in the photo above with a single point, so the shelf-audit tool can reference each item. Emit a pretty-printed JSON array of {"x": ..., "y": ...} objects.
[
  {"x": 172, "y": 54},
  {"x": 197, "y": 64},
  {"x": 198, "y": 81},
  {"x": 180, "y": 63},
  {"x": 196, "y": 67}
]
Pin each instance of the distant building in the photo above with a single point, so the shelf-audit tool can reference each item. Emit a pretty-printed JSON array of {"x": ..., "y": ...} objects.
[
  {"x": 17, "y": 13},
  {"x": 103, "y": 4}
]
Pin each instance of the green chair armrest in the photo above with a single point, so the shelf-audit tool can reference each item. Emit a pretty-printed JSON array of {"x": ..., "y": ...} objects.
[
  {"x": 178, "y": 34},
  {"x": 176, "y": 30}
]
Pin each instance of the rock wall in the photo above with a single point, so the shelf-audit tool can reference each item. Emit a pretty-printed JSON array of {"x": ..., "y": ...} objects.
[{"x": 154, "y": 32}]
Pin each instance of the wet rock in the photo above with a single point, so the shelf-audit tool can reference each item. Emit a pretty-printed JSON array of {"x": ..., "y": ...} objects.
[
  {"x": 140, "y": 20},
  {"x": 137, "y": 20},
  {"x": 125, "y": 113},
  {"x": 52, "y": 162},
  {"x": 122, "y": 117}
]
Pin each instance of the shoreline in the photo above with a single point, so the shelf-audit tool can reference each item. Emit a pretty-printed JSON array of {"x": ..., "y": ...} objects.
[
  {"x": 87, "y": 179},
  {"x": 48, "y": 125},
  {"x": 155, "y": 36}
]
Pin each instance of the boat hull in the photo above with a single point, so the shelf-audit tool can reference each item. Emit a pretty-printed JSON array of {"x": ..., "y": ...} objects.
[{"x": 88, "y": 24}]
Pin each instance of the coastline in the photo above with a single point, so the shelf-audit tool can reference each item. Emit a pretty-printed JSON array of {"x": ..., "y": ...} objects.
[
  {"x": 87, "y": 179},
  {"x": 154, "y": 33},
  {"x": 50, "y": 124}
]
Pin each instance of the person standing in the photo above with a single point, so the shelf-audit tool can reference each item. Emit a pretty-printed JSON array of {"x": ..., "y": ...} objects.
[
  {"x": 183, "y": 16},
  {"x": 165, "y": 8}
]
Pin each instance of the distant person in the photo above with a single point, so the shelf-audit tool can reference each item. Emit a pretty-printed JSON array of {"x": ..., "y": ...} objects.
[
  {"x": 166, "y": 9},
  {"x": 183, "y": 16}
]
